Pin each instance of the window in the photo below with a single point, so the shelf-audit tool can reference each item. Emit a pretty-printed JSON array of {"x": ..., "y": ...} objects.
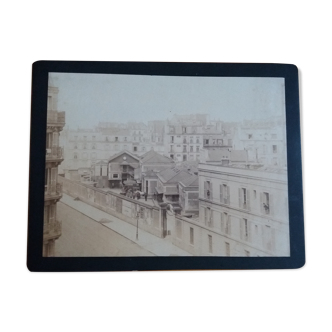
[
  {"x": 191, "y": 149},
  {"x": 197, "y": 148},
  {"x": 265, "y": 203},
  {"x": 75, "y": 156},
  {"x": 246, "y": 229},
  {"x": 172, "y": 156},
  {"x": 244, "y": 198},
  {"x": 172, "y": 139},
  {"x": 115, "y": 176},
  {"x": 274, "y": 148},
  {"x": 207, "y": 190},
  {"x": 184, "y": 130},
  {"x": 206, "y": 142},
  {"x": 191, "y": 235},
  {"x": 210, "y": 243},
  {"x": 224, "y": 194},
  {"x": 184, "y": 140},
  {"x": 125, "y": 139},
  {"x": 93, "y": 146},
  {"x": 208, "y": 217},
  {"x": 191, "y": 141},
  {"x": 185, "y": 148},
  {"x": 268, "y": 237},
  {"x": 227, "y": 224},
  {"x": 197, "y": 140},
  {"x": 135, "y": 148},
  {"x": 116, "y": 139},
  {"x": 184, "y": 157},
  {"x": 249, "y": 136}
]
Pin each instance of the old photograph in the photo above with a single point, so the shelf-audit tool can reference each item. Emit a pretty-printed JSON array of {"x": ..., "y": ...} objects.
[{"x": 144, "y": 165}]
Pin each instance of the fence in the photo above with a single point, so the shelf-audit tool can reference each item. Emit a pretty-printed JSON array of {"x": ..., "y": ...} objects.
[{"x": 124, "y": 208}]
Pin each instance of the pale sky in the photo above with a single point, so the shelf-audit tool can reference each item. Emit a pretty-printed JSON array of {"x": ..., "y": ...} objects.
[{"x": 90, "y": 98}]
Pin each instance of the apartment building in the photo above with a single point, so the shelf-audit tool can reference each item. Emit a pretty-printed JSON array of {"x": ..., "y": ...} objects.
[{"x": 54, "y": 157}]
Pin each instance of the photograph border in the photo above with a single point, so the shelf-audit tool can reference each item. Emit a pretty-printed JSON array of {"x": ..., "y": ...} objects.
[{"x": 40, "y": 71}]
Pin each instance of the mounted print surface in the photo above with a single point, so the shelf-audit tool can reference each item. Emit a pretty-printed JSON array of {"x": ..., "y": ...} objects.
[{"x": 153, "y": 166}]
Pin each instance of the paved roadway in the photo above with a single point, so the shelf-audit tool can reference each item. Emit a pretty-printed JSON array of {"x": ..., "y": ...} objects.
[{"x": 88, "y": 231}]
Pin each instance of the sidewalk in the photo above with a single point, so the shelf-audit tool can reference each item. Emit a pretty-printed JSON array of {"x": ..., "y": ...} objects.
[{"x": 154, "y": 244}]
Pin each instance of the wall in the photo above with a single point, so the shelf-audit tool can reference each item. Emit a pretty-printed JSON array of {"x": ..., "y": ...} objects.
[{"x": 119, "y": 206}]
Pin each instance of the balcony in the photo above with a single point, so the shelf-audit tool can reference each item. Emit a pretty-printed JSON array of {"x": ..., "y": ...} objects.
[
  {"x": 53, "y": 191},
  {"x": 56, "y": 118},
  {"x": 52, "y": 229},
  {"x": 54, "y": 153}
]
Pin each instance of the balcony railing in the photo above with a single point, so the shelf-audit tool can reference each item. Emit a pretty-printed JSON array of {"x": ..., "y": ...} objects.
[
  {"x": 53, "y": 190},
  {"x": 55, "y": 117},
  {"x": 54, "y": 152},
  {"x": 53, "y": 228}
]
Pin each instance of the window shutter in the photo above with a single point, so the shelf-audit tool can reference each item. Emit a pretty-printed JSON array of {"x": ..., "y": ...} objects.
[
  {"x": 54, "y": 173},
  {"x": 240, "y": 201},
  {"x": 211, "y": 191},
  {"x": 205, "y": 214},
  {"x": 55, "y": 139},
  {"x": 221, "y": 193},
  {"x": 242, "y": 228},
  {"x": 222, "y": 227},
  {"x": 229, "y": 225},
  {"x": 248, "y": 199},
  {"x": 271, "y": 205},
  {"x": 228, "y": 195},
  {"x": 261, "y": 203}
]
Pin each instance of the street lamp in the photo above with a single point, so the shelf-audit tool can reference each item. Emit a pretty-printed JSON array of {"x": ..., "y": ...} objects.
[{"x": 137, "y": 227}]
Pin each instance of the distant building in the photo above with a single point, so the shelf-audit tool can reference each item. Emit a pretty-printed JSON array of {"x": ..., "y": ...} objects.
[
  {"x": 265, "y": 141},
  {"x": 54, "y": 156},
  {"x": 186, "y": 135},
  {"x": 121, "y": 168},
  {"x": 85, "y": 146},
  {"x": 150, "y": 164}
]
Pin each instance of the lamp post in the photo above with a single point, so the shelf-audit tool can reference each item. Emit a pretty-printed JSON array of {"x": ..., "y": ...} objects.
[{"x": 137, "y": 226}]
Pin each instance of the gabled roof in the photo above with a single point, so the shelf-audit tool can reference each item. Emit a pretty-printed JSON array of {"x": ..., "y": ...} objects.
[
  {"x": 155, "y": 157},
  {"x": 123, "y": 152},
  {"x": 190, "y": 181},
  {"x": 174, "y": 175},
  {"x": 101, "y": 162}
]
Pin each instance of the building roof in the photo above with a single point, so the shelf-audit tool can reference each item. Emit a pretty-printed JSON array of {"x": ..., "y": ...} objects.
[
  {"x": 155, "y": 157},
  {"x": 218, "y": 155},
  {"x": 171, "y": 175},
  {"x": 233, "y": 155},
  {"x": 123, "y": 152},
  {"x": 101, "y": 162},
  {"x": 190, "y": 181},
  {"x": 150, "y": 173}
]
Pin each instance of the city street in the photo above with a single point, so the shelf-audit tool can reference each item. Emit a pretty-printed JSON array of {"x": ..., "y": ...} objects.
[{"x": 88, "y": 231}]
